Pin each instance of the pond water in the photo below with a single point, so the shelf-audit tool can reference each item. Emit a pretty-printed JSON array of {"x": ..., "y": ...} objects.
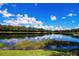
[{"x": 11, "y": 40}]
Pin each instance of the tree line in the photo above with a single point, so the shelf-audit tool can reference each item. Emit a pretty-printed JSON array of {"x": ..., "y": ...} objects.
[{"x": 5, "y": 28}]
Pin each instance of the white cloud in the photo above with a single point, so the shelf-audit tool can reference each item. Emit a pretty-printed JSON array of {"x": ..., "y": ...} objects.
[
  {"x": 51, "y": 28},
  {"x": 28, "y": 22},
  {"x": 5, "y": 13},
  {"x": 46, "y": 27},
  {"x": 23, "y": 20},
  {"x": 71, "y": 14},
  {"x": 59, "y": 27},
  {"x": 63, "y": 17},
  {"x": 36, "y": 4},
  {"x": 11, "y": 22},
  {"x": 25, "y": 15},
  {"x": 53, "y": 18},
  {"x": 72, "y": 21}
]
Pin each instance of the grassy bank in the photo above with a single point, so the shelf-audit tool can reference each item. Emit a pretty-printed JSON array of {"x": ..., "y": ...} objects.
[{"x": 33, "y": 53}]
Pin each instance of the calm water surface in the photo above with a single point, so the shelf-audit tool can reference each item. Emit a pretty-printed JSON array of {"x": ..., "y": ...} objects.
[{"x": 12, "y": 40}]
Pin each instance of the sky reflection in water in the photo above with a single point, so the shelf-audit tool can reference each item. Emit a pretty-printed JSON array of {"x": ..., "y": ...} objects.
[{"x": 38, "y": 38}]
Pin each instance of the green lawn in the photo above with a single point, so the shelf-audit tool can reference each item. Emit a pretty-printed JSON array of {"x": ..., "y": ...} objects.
[{"x": 32, "y": 53}]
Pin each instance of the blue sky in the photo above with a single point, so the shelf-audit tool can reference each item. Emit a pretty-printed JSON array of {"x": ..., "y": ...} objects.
[{"x": 53, "y": 16}]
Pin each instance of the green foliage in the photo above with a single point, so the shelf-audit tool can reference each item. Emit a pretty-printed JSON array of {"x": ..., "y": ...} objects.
[
  {"x": 5, "y": 28},
  {"x": 2, "y": 45},
  {"x": 20, "y": 35}
]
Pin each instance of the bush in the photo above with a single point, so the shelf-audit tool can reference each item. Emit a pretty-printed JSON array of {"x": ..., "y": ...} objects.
[{"x": 2, "y": 45}]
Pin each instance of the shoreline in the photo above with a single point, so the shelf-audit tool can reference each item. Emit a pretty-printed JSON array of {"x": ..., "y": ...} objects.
[{"x": 22, "y": 32}]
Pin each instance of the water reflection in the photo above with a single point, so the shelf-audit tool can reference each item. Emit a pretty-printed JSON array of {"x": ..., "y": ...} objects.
[
  {"x": 45, "y": 37},
  {"x": 64, "y": 47},
  {"x": 11, "y": 41}
]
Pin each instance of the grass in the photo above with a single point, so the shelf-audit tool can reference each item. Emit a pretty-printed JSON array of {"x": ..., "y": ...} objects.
[{"x": 32, "y": 53}]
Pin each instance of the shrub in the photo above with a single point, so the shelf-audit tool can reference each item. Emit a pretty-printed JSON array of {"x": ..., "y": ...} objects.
[{"x": 2, "y": 45}]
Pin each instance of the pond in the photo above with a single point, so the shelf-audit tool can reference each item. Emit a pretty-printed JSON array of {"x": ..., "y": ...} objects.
[{"x": 10, "y": 39}]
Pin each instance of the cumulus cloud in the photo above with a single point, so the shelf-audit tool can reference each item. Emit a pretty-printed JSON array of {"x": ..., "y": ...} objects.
[
  {"x": 5, "y": 13},
  {"x": 28, "y": 22},
  {"x": 53, "y": 18},
  {"x": 59, "y": 27},
  {"x": 46, "y": 27},
  {"x": 23, "y": 20},
  {"x": 11, "y": 22},
  {"x": 63, "y": 17},
  {"x": 72, "y": 21},
  {"x": 72, "y": 14},
  {"x": 36, "y": 4}
]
